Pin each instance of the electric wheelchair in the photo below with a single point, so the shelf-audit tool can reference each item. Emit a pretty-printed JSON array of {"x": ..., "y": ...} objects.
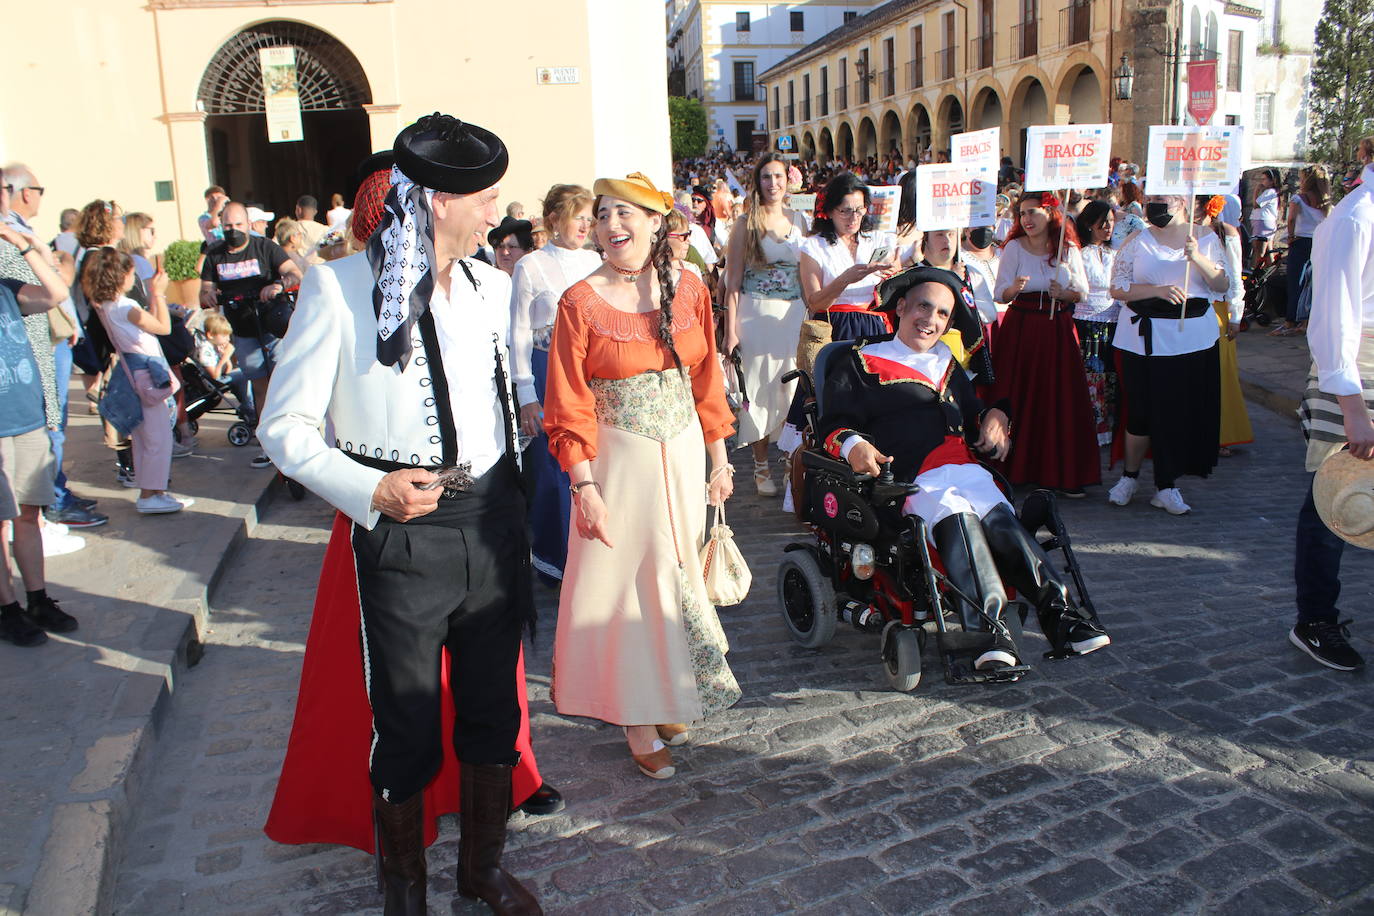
[{"x": 872, "y": 566}]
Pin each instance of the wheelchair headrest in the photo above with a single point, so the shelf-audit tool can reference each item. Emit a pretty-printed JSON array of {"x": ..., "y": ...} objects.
[{"x": 823, "y": 359}]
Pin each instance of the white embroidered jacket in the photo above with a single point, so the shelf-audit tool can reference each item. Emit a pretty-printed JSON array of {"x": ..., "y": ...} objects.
[{"x": 327, "y": 369}]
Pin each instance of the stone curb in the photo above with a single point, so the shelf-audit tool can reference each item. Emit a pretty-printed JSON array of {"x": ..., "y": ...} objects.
[
  {"x": 1282, "y": 401},
  {"x": 77, "y": 870}
]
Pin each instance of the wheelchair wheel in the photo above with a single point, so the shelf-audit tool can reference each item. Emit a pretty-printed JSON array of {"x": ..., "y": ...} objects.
[
  {"x": 902, "y": 656},
  {"x": 807, "y": 599},
  {"x": 239, "y": 434}
]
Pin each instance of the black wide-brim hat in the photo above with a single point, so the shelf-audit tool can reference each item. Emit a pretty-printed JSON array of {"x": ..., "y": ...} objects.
[
  {"x": 443, "y": 153},
  {"x": 509, "y": 226}
]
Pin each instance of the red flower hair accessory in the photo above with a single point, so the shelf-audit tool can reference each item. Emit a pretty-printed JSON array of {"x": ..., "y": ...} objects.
[
  {"x": 1215, "y": 206},
  {"x": 1049, "y": 201}
]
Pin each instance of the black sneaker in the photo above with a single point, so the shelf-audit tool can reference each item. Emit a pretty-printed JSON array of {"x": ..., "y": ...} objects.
[
  {"x": 16, "y": 627},
  {"x": 1327, "y": 642},
  {"x": 260, "y": 461},
  {"x": 74, "y": 516},
  {"x": 50, "y": 617},
  {"x": 1088, "y": 637},
  {"x": 83, "y": 502}
]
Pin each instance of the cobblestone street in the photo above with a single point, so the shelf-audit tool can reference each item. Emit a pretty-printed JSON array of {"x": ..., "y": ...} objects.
[{"x": 1200, "y": 764}]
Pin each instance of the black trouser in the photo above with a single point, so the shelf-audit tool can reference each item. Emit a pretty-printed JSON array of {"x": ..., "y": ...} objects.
[
  {"x": 455, "y": 578},
  {"x": 1317, "y": 570}
]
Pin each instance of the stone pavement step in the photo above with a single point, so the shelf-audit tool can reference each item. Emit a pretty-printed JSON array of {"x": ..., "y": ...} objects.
[
  {"x": 1273, "y": 370},
  {"x": 82, "y": 712}
]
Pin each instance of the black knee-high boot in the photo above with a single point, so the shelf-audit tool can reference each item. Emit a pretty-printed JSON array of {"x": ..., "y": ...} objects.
[
  {"x": 401, "y": 851},
  {"x": 970, "y": 566},
  {"x": 484, "y": 803},
  {"x": 1022, "y": 561}
]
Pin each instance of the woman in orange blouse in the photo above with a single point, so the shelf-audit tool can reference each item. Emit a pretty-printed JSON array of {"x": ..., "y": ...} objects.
[{"x": 635, "y": 404}]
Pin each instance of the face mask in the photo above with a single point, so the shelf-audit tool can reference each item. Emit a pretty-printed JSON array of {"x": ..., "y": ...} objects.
[
  {"x": 980, "y": 237},
  {"x": 1158, "y": 214},
  {"x": 235, "y": 237}
]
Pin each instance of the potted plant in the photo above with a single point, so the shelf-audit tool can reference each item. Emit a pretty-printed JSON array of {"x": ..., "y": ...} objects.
[{"x": 179, "y": 261}]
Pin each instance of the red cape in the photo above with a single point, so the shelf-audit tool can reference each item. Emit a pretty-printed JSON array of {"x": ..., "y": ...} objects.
[{"x": 324, "y": 794}]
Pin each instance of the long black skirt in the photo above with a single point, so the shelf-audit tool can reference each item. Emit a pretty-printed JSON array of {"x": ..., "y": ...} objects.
[{"x": 1176, "y": 401}]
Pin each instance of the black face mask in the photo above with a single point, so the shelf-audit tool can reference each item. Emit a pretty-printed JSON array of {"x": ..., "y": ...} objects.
[
  {"x": 235, "y": 238},
  {"x": 981, "y": 236},
  {"x": 1157, "y": 214}
]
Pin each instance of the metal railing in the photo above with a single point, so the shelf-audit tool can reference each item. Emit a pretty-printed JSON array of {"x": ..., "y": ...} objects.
[
  {"x": 777, "y": 120},
  {"x": 887, "y": 82},
  {"x": 1025, "y": 39},
  {"x": 841, "y": 98},
  {"x": 982, "y": 52},
  {"x": 822, "y": 105},
  {"x": 747, "y": 92},
  {"x": 1076, "y": 22},
  {"x": 806, "y": 109},
  {"x": 915, "y": 74},
  {"x": 791, "y": 114},
  {"x": 944, "y": 63}
]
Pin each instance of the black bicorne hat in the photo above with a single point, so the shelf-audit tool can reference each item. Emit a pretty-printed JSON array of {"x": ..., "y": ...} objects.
[
  {"x": 445, "y": 154},
  {"x": 509, "y": 226}
]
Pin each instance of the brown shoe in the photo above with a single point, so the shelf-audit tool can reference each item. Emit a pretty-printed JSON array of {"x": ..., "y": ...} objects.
[
  {"x": 674, "y": 734},
  {"x": 484, "y": 798},
  {"x": 400, "y": 851},
  {"x": 656, "y": 765}
]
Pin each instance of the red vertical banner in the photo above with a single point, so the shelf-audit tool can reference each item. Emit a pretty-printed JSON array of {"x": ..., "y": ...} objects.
[{"x": 1202, "y": 90}]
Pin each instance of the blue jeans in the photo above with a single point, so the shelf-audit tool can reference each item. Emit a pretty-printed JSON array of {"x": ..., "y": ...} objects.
[
  {"x": 62, "y": 367},
  {"x": 1317, "y": 566}
]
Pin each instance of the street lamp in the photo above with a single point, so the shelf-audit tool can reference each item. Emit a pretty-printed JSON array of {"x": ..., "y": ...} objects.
[{"x": 1124, "y": 79}]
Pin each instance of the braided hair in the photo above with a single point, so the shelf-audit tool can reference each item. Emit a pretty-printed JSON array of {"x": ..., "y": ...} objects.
[{"x": 662, "y": 257}]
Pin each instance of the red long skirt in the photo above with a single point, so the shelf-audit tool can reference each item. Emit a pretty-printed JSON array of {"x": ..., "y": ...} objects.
[
  {"x": 1039, "y": 369},
  {"x": 324, "y": 794}
]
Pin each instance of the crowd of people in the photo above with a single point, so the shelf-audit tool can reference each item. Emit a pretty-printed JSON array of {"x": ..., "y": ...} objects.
[{"x": 556, "y": 397}]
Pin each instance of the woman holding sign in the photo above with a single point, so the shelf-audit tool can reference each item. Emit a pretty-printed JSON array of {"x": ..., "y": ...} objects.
[
  {"x": 844, "y": 260},
  {"x": 1170, "y": 368},
  {"x": 1038, "y": 364}
]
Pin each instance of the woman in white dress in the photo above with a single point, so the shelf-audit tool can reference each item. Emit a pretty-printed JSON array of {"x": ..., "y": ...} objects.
[
  {"x": 537, "y": 281},
  {"x": 764, "y": 308},
  {"x": 1095, "y": 315}
]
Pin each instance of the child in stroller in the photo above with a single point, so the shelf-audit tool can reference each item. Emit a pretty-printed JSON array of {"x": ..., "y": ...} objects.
[{"x": 209, "y": 379}]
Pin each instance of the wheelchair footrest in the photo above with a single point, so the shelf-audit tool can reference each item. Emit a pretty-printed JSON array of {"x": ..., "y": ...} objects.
[{"x": 962, "y": 675}]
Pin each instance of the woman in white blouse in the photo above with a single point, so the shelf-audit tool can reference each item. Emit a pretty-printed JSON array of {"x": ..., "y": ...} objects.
[
  {"x": 1167, "y": 336},
  {"x": 1037, "y": 361},
  {"x": 844, "y": 260},
  {"x": 1264, "y": 217},
  {"x": 1096, "y": 314},
  {"x": 540, "y": 278}
]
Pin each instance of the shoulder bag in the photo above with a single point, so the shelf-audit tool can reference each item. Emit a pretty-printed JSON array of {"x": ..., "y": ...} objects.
[{"x": 722, "y": 565}]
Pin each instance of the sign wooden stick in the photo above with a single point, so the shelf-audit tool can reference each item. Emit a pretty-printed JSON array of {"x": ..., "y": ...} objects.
[
  {"x": 1187, "y": 261},
  {"x": 1063, "y": 227}
]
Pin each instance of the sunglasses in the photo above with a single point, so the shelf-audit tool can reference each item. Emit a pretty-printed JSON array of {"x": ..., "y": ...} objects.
[{"x": 680, "y": 236}]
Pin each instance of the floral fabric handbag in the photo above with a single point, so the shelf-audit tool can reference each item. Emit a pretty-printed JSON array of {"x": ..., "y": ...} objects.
[{"x": 722, "y": 565}]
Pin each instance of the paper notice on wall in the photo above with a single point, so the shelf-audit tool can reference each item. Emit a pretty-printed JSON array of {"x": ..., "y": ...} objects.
[
  {"x": 977, "y": 147},
  {"x": 280, "y": 94},
  {"x": 1194, "y": 160},
  {"x": 882, "y": 206},
  {"x": 953, "y": 195},
  {"x": 1068, "y": 156}
]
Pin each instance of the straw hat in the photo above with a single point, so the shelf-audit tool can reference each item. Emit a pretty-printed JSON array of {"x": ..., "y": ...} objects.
[
  {"x": 637, "y": 189},
  {"x": 1343, "y": 491}
]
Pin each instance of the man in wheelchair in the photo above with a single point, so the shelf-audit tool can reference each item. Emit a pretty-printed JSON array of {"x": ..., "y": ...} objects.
[{"x": 904, "y": 399}]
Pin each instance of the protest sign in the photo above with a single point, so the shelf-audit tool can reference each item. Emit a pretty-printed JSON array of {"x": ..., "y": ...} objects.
[
  {"x": 1194, "y": 160},
  {"x": 805, "y": 204},
  {"x": 1067, "y": 156},
  {"x": 882, "y": 206},
  {"x": 954, "y": 195},
  {"x": 977, "y": 147}
]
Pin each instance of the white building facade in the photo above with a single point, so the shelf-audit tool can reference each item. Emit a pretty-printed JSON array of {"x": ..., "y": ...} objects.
[
  {"x": 1283, "y": 84},
  {"x": 718, "y": 48}
]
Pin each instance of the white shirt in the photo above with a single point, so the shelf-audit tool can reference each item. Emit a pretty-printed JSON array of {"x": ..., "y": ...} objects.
[
  {"x": 1343, "y": 288},
  {"x": 1309, "y": 218},
  {"x": 834, "y": 260},
  {"x": 1144, "y": 260},
  {"x": 697, "y": 238},
  {"x": 1018, "y": 262},
  {"x": 982, "y": 276},
  {"x": 1264, "y": 219},
  {"x": 66, "y": 241},
  {"x": 337, "y": 216},
  {"x": 539, "y": 281},
  {"x": 1098, "y": 305}
]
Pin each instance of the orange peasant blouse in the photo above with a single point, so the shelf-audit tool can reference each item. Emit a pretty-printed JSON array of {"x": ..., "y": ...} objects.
[{"x": 593, "y": 339}]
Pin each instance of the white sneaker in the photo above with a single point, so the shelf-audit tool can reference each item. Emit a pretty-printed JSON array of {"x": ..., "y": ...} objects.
[
  {"x": 1171, "y": 501},
  {"x": 1123, "y": 491},
  {"x": 161, "y": 504},
  {"x": 57, "y": 543},
  {"x": 182, "y": 450}
]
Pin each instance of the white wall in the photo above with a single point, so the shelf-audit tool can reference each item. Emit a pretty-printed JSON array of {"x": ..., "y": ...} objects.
[{"x": 629, "y": 91}]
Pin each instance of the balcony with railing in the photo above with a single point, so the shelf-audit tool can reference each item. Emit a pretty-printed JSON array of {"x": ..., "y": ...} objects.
[
  {"x": 791, "y": 111},
  {"x": 865, "y": 90},
  {"x": 944, "y": 63},
  {"x": 915, "y": 74},
  {"x": 747, "y": 92},
  {"x": 887, "y": 82},
  {"x": 982, "y": 52},
  {"x": 1025, "y": 39},
  {"x": 822, "y": 105},
  {"x": 776, "y": 120},
  {"x": 841, "y": 98},
  {"x": 1076, "y": 22}
]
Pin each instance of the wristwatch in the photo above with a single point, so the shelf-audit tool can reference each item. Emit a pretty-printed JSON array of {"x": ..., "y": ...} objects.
[{"x": 25, "y": 252}]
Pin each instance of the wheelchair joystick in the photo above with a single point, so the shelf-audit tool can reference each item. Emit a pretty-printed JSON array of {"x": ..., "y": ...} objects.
[{"x": 886, "y": 476}]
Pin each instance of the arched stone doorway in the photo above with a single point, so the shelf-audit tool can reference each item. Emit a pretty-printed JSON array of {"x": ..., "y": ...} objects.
[
  {"x": 1081, "y": 91},
  {"x": 1030, "y": 106},
  {"x": 826, "y": 150},
  {"x": 808, "y": 147},
  {"x": 986, "y": 110},
  {"x": 333, "y": 90},
  {"x": 844, "y": 143},
  {"x": 951, "y": 120},
  {"x": 917, "y": 131},
  {"x": 868, "y": 139},
  {"x": 890, "y": 138}
]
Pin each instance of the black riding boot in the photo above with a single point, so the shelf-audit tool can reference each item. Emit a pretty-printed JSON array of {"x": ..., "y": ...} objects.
[
  {"x": 1022, "y": 561},
  {"x": 970, "y": 566},
  {"x": 401, "y": 854},
  {"x": 484, "y": 802}
]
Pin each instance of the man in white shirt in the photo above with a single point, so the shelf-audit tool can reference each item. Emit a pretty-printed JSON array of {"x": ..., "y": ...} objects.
[
  {"x": 402, "y": 348},
  {"x": 1336, "y": 410}
]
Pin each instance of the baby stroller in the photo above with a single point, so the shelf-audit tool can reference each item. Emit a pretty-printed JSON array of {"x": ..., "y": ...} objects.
[
  {"x": 872, "y": 566},
  {"x": 203, "y": 393},
  {"x": 1266, "y": 289}
]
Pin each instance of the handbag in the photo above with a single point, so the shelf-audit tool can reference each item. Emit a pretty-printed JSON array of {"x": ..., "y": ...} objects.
[
  {"x": 274, "y": 315},
  {"x": 722, "y": 565},
  {"x": 60, "y": 325},
  {"x": 815, "y": 334}
]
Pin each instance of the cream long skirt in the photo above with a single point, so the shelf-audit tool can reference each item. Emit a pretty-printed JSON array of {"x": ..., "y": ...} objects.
[
  {"x": 768, "y": 332},
  {"x": 638, "y": 642}
]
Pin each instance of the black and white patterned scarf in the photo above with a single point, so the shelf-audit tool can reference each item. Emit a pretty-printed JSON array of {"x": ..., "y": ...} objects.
[{"x": 401, "y": 253}]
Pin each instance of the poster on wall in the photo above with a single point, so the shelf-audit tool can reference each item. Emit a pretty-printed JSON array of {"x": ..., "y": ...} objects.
[
  {"x": 1060, "y": 156},
  {"x": 883, "y": 201},
  {"x": 977, "y": 147},
  {"x": 1195, "y": 160},
  {"x": 953, "y": 195},
  {"x": 280, "y": 94}
]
